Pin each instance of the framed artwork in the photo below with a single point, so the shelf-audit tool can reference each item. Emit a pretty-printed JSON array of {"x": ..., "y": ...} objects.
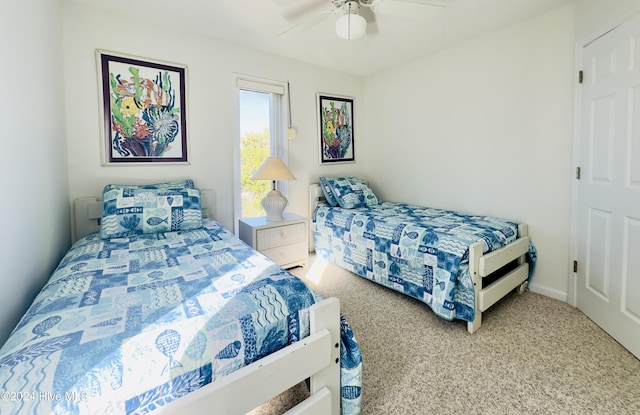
[
  {"x": 335, "y": 120},
  {"x": 143, "y": 114}
]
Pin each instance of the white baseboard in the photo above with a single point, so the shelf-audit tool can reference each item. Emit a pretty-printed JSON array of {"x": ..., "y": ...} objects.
[{"x": 558, "y": 295}]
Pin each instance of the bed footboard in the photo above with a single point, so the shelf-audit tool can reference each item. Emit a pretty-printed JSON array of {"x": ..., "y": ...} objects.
[
  {"x": 497, "y": 263},
  {"x": 316, "y": 356}
]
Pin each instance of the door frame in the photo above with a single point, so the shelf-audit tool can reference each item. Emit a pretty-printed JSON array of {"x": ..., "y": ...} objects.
[{"x": 572, "y": 288}]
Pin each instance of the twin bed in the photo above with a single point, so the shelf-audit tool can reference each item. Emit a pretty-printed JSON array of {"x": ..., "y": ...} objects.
[
  {"x": 163, "y": 310},
  {"x": 457, "y": 264}
]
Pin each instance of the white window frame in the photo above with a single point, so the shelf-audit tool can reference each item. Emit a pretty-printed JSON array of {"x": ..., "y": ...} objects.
[{"x": 277, "y": 126}]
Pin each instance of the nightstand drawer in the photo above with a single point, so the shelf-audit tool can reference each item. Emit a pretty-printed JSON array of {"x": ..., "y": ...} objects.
[
  {"x": 281, "y": 235},
  {"x": 286, "y": 255}
]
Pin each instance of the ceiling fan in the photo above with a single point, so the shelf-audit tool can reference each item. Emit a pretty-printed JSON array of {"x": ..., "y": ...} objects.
[{"x": 351, "y": 24}]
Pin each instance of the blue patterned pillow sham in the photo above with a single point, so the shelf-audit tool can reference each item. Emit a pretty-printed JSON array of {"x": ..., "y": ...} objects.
[
  {"x": 326, "y": 190},
  {"x": 351, "y": 192},
  {"x": 180, "y": 184},
  {"x": 138, "y": 210}
]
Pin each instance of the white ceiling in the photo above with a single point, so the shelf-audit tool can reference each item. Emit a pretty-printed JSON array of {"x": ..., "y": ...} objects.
[{"x": 391, "y": 39}]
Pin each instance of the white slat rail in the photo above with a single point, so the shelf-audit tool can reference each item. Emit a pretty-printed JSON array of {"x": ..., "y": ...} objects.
[
  {"x": 490, "y": 295},
  {"x": 493, "y": 261},
  {"x": 317, "y": 404},
  {"x": 314, "y": 356}
]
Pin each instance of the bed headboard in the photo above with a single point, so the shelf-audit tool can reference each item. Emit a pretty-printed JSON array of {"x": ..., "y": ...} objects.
[
  {"x": 315, "y": 195},
  {"x": 87, "y": 212}
]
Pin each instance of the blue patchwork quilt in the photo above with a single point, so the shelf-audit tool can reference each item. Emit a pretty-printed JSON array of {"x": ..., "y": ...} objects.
[
  {"x": 127, "y": 325},
  {"x": 419, "y": 251}
]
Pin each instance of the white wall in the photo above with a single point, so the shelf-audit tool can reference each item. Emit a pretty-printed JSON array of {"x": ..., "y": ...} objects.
[
  {"x": 594, "y": 17},
  {"x": 485, "y": 127},
  {"x": 211, "y": 113},
  {"x": 34, "y": 208}
]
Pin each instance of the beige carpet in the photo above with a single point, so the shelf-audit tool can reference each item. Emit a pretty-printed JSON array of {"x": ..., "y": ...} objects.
[{"x": 533, "y": 355}]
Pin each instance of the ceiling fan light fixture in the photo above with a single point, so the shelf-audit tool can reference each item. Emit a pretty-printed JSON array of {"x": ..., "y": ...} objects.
[{"x": 351, "y": 25}]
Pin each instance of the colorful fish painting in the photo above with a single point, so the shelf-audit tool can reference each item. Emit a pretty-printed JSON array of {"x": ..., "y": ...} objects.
[
  {"x": 146, "y": 110},
  {"x": 336, "y": 125}
]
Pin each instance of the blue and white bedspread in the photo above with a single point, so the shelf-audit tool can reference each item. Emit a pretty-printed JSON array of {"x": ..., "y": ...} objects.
[
  {"x": 419, "y": 251},
  {"x": 128, "y": 325}
]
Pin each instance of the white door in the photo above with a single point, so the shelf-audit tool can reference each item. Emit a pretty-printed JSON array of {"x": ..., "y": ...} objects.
[{"x": 608, "y": 278}]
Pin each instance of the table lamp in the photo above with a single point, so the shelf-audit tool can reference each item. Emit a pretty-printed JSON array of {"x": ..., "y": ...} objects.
[{"x": 274, "y": 202}]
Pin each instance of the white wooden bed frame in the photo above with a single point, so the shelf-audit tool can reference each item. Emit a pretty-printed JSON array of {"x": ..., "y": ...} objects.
[
  {"x": 490, "y": 265},
  {"x": 316, "y": 357}
]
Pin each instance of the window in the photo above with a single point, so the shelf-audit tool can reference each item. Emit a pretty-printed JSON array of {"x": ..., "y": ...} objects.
[
  {"x": 255, "y": 147},
  {"x": 261, "y": 134}
]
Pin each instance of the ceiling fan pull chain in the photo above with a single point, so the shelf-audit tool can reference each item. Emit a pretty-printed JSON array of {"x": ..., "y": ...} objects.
[{"x": 349, "y": 22}]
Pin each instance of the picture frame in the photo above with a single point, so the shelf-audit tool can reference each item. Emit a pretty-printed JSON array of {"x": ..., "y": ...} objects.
[
  {"x": 143, "y": 110},
  {"x": 336, "y": 129}
]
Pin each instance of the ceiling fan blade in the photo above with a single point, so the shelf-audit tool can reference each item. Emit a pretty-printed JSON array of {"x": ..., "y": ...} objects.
[
  {"x": 434, "y": 3},
  {"x": 419, "y": 9},
  {"x": 370, "y": 17},
  {"x": 297, "y": 9},
  {"x": 307, "y": 23}
]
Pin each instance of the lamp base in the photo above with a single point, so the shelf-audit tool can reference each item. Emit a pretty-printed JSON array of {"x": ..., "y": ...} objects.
[{"x": 274, "y": 204}]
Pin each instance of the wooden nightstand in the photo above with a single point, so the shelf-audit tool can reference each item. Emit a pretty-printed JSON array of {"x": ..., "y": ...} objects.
[{"x": 285, "y": 242}]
